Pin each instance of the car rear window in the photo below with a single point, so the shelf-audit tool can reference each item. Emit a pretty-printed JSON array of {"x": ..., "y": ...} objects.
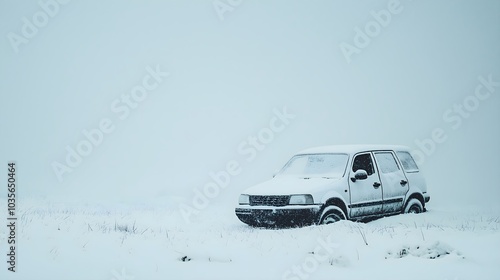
[{"x": 407, "y": 161}]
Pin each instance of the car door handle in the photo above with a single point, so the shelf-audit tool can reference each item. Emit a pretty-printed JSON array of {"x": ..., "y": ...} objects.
[
  {"x": 403, "y": 182},
  {"x": 376, "y": 185}
]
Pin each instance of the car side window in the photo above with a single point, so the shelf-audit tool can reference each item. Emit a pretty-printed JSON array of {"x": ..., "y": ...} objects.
[
  {"x": 363, "y": 161},
  {"x": 407, "y": 161},
  {"x": 386, "y": 162}
]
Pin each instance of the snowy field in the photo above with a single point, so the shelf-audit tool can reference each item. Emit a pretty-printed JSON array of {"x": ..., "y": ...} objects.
[
  {"x": 115, "y": 114},
  {"x": 126, "y": 242}
]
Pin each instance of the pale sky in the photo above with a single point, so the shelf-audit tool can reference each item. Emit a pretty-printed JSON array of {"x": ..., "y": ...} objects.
[{"x": 225, "y": 79}]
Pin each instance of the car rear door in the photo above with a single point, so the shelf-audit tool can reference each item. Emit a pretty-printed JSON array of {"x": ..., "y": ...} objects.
[
  {"x": 366, "y": 194},
  {"x": 393, "y": 179}
]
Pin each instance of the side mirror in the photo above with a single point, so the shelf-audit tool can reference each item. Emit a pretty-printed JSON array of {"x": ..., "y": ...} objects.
[{"x": 360, "y": 174}]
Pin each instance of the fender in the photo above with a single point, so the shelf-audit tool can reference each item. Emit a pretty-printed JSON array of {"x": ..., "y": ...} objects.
[
  {"x": 332, "y": 207},
  {"x": 337, "y": 196},
  {"x": 332, "y": 194},
  {"x": 414, "y": 193}
]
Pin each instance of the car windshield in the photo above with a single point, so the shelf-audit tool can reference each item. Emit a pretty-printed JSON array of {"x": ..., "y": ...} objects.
[{"x": 316, "y": 165}]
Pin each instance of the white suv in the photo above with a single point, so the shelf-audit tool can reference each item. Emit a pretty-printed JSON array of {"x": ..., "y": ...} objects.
[{"x": 326, "y": 184}]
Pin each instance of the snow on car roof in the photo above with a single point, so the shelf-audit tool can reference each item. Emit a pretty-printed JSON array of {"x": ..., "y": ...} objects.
[{"x": 352, "y": 149}]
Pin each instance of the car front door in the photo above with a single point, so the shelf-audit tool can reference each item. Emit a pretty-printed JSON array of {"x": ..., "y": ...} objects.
[
  {"x": 393, "y": 179},
  {"x": 366, "y": 194}
]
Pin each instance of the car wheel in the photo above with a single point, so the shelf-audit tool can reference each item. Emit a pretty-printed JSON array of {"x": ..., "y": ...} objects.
[
  {"x": 414, "y": 206},
  {"x": 331, "y": 217}
]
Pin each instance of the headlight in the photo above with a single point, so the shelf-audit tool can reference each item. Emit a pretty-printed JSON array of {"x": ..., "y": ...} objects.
[
  {"x": 301, "y": 199},
  {"x": 244, "y": 199}
]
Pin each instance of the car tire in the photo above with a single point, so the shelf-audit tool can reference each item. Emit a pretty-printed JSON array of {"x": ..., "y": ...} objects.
[
  {"x": 331, "y": 217},
  {"x": 414, "y": 206}
]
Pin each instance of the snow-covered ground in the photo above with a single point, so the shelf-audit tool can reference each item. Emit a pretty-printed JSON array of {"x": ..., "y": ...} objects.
[{"x": 132, "y": 241}]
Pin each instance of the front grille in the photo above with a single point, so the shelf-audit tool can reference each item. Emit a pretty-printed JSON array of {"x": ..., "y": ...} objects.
[{"x": 269, "y": 200}]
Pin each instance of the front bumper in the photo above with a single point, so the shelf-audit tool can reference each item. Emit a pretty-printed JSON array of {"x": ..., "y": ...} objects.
[{"x": 270, "y": 216}]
